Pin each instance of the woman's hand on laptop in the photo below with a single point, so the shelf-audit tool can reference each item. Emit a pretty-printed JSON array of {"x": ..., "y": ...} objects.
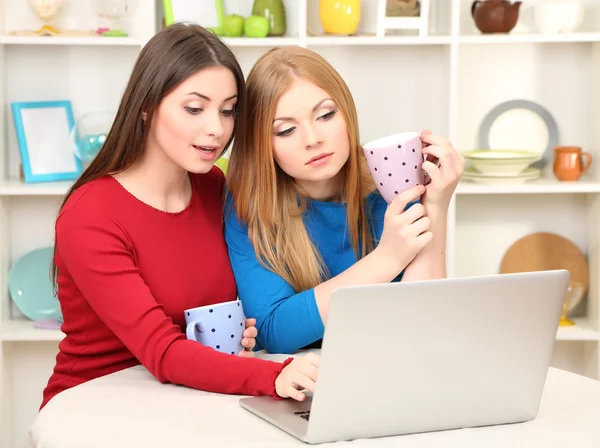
[
  {"x": 405, "y": 231},
  {"x": 249, "y": 339},
  {"x": 300, "y": 374}
]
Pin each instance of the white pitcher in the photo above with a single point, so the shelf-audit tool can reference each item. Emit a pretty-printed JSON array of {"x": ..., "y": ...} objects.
[{"x": 554, "y": 16}]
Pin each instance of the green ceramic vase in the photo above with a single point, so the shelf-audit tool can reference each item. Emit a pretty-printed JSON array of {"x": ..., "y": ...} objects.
[{"x": 274, "y": 11}]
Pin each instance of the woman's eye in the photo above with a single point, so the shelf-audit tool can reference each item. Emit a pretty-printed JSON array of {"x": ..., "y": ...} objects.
[
  {"x": 328, "y": 115},
  {"x": 193, "y": 110},
  {"x": 285, "y": 132},
  {"x": 227, "y": 113}
]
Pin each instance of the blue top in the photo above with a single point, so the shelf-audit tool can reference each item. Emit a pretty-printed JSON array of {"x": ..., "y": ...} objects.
[{"x": 288, "y": 321}]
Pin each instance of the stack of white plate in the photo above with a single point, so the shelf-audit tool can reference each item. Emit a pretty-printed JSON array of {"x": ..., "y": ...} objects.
[{"x": 500, "y": 166}]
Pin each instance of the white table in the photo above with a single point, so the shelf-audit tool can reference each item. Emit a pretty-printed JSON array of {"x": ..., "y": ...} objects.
[{"x": 132, "y": 409}]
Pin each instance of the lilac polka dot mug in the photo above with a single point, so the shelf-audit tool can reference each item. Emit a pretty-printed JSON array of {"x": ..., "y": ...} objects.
[{"x": 396, "y": 163}]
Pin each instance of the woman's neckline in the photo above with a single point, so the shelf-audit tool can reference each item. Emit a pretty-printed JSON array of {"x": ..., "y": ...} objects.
[{"x": 183, "y": 214}]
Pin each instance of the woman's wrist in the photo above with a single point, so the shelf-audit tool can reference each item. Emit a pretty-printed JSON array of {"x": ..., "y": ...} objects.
[
  {"x": 284, "y": 364},
  {"x": 389, "y": 264},
  {"x": 436, "y": 211}
]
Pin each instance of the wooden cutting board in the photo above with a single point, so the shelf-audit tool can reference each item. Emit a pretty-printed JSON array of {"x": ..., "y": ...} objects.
[{"x": 544, "y": 251}]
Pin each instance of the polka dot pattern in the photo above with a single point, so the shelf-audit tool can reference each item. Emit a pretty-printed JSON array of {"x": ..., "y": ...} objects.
[
  {"x": 220, "y": 326},
  {"x": 396, "y": 167}
]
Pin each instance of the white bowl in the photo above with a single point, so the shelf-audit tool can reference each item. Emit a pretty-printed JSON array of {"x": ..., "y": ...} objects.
[{"x": 495, "y": 161}]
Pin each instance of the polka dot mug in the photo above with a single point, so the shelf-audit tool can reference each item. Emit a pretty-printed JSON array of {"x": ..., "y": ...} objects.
[
  {"x": 219, "y": 326},
  {"x": 396, "y": 163}
]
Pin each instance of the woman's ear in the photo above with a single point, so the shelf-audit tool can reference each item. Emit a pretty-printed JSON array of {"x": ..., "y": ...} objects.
[{"x": 144, "y": 116}]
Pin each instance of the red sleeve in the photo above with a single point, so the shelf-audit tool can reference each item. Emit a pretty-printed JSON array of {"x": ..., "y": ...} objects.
[{"x": 94, "y": 250}]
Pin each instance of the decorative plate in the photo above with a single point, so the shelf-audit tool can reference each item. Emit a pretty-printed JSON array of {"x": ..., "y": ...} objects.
[
  {"x": 544, "y": 251},
  {"x": 30, "y": 286},
  {"x": 521, "y": 125},
  {"x": 500, "y": 178}
]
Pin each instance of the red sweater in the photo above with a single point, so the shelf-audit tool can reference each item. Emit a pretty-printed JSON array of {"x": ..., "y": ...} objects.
[{"x": 127, "y": 272}]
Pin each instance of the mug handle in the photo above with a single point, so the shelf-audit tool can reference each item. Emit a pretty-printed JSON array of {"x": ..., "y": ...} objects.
[
  {"x": 193, "y": 329},
  {"x": 426, "y": 177},
  {"x": 588, "y": 162},
  {"x": 474, "y": 6}
]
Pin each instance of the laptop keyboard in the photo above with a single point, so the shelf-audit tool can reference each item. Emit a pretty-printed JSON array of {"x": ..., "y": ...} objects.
[{"x": 304, "y": 414}]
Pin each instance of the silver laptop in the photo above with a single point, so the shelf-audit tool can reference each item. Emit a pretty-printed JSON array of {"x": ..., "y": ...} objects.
[{"x": 426, "y": 356}]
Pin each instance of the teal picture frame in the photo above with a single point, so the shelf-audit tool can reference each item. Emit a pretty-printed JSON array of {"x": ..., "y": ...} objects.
[{"x": 44, "y": 138}]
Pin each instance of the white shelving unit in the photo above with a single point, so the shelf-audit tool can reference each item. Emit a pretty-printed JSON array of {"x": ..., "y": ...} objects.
[
  {"x": 91, "y": 72},
  {"x": 446, "y": 81}
]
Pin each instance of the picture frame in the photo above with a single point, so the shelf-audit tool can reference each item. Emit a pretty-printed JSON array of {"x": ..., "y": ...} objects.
[
  {"x": 419, "y": 23},
  {"x": 44, "y": 138}
]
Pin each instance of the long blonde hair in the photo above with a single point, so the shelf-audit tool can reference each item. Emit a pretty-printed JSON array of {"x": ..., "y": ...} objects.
[{"x": 265, "y": 197}]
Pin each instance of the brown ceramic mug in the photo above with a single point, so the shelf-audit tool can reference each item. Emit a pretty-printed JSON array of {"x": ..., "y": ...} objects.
[{"x": 569, "y": 162}]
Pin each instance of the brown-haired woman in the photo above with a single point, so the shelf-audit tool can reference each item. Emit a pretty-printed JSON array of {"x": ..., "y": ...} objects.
[
  {"x": 139, "y": 237},
  {"x": 304, "y": 217}
]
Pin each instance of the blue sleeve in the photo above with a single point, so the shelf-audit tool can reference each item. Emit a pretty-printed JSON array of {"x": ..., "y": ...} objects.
[{"x": 286, "y": 321}]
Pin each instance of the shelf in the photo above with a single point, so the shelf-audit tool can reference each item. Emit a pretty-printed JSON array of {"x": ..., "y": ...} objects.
[
  {"x": 325, "y": 40},
  {"x": 261, "y": 41},
  {"x": 542, "y": 186},
  {"x": 22, "y": 330},
  {"x": 581, "y": 331},
  {"x": 374, "y": 40},
  {"x": 83, "y": 40},
  {"x": 19, "y": 188},
  {"x": 530, "y": 38}
]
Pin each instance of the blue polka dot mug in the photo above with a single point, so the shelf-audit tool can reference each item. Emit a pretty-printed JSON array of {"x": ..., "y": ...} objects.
[{"x": 219, "y": 326}]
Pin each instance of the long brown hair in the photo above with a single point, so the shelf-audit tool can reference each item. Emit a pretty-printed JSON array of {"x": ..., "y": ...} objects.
[
  {"x": 171, "y": 56},
  {"x": 265, "y": 197}
]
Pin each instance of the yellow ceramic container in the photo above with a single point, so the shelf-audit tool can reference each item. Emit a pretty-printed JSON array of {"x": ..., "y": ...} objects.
[{"x": 340, "y": 16}]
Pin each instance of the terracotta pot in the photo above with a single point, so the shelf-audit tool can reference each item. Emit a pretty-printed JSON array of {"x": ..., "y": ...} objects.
[
  {"x": 495, "y": 16},
  {"x": 569, "y": 163}
]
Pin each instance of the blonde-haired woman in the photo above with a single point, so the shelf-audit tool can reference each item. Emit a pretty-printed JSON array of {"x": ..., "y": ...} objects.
[{"x": 303, "y": 215}]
